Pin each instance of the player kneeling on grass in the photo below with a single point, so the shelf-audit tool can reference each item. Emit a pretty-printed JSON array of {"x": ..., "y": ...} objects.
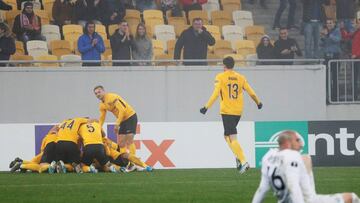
[
  {"x": 91, "y": 135},
  {"x": 124, "y": 160},
  {"x": 40, "y": 162},
  {"x": 292, "y": 181}
]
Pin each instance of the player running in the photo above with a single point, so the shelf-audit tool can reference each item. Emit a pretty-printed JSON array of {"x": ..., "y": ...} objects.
[{"x": 230, "y": 85}]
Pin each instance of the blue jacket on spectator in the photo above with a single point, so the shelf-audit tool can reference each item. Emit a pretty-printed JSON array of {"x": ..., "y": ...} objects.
[
  {"x": 331, "y": 42},
  {"x": 89, "y": 52}
]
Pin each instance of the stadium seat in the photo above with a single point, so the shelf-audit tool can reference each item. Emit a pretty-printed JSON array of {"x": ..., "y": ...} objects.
[
  {"x": 165, "y": 57},
  {"x": 22, "y": 57},
  {"x": 245, "y": 47},
  {"x": 239, "y": 59},
  {"x": 254, "y": 33},
  {"x": 243, "y": 18},
  {"x": 231, "y": 5},
  {"x": 74, "y": 48},
  {"x": 51, "y": 32},
  {"x": 222, "y": 47},
  {"x": 112, "y": 28},
  {"x": 19, "y": 47},
  {"x": 60, "y": 47},
  {"x": 174, "y": 20},
  {"x": 158, "y": 48},
  {"x": 101, "y": 30},
  {"x": 72, "y": 33},
  {"x": 108, "y": 50},
  {"x": 153, "y": 17},
  {"x": 251, "y": 57},
  {"x": 232, "y": 33},
  {"x": 171, "y": 47},
  {"x": 71, "y": 57},
  {"x": 132, "y": 17},
  {"x": 37, "y": 48},
  {"x": 221, "y": 18},
  {"x": 46, "y": 58},
  {"x": 358, "y": 15},
  {"x": 214, "y": 31},
  {"x": 165, "y": 33},
  {"x": 45, "y": 20},
  {"x": 199, "y": 14},
  {"x": 10, "y": 17},
  {"x": 211, "y": 57},
  {"x": 211, "y": 6},
  {"x": 179, "y": 28},
  {"x": 149, "y": 31},
  {"x": 48, "y": 6}
]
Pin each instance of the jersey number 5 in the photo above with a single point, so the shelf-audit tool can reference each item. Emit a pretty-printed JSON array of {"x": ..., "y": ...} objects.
[{"x": 233, "y": 91}]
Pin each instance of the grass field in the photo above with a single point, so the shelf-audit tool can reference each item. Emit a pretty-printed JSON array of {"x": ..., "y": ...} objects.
[{"x": 196, "y": 185}]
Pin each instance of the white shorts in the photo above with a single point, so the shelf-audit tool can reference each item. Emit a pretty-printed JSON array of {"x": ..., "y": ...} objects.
[{"x": 333, "y": 198}]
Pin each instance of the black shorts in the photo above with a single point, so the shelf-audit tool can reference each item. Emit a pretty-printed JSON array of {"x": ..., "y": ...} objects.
[
  {"x": 230, "y": 122},
  {"x": 120, "y": 161},
  {"x": 94, "y": 151},
  {"x": 49, "y": 153},
  {"x": 68, "y": 152},
  {"x": 129, "y": 125}
]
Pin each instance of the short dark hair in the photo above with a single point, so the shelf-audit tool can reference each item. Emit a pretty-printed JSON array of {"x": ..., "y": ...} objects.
[
  {"x": 283, "y": 28},
  {"x": 229, "y": 62},
  {"x": 87, "y": 25},
  {"x": 196, "y": 19},
  {"x": 122, "y": 21},
  {"x": 98, "y": 87}
]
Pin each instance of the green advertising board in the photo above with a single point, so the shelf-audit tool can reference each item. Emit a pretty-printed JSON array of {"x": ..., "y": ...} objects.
[{"x": 266, "y": 134}]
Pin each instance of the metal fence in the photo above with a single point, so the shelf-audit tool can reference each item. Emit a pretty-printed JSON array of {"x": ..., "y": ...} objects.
[{"x": 343, "y": 81}]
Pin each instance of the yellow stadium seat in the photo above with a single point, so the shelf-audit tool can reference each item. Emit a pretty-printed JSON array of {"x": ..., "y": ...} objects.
[
  {"x": 180, "y": 28},
  {"x": 199, "y": 14},
  {"x": 22, "y": 57},
  {"x": 71, "y": 57},
  {"x": 46, "y": 58},
  {"x": 108, "y": 50},
  {"x": 44, "y": 16},
  {"x": 232, "y": 33},
  {"x": 171, "y": 47},
  {"x": 132, "y": 17},
  {"x": 222, "y": 47},
  {"x": 51, "y": 32},
  {"x": 245, "y": 47},
  {"x": 243, "y": 18},
  {"x": 254, "y": 33},
  {"x": 48, "y": 6},
  {"x": 112, "y": 28},
  {"x": 250, "y": 57},
  {"x": 149, "y": 31},
  {"x": 19, "y": 47},
  {"x": 214, "y": 31},
  {"x": 10, "y": 17},
  {"x": 231, "y": 5},
  {"x": 101, "y": 30},
  {"x": 165, "y": 57},
  {"x": 239, "y": 59},
  {"x": 172, "y": 19},
  {"x": 165, "y": 33},
  {"x": 37, "y": 48},
  {"x": 154, "y": 17},
  {"x": 158, "y": 47},
  {"x": 211, "y": 56},
  {"x": 60, "y": 47},
  {"x": 72, "y": 32},
  {"x": 221, "y": 18}
]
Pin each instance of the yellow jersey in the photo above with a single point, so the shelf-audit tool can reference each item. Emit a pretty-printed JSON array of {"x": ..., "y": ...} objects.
[
  {"x": 68, "y": 129},
  {"x": 50, "y": 137},
  {"x": 110, "y": 143},
  {"x": 116, "y": 105},
  {"x": 230, "y": 85},
  {"x": 91, "y": 133}
]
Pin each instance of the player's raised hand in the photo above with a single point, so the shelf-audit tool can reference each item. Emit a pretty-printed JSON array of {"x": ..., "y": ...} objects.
[
  {"x": 203, "y": 110},
  {"x": 260, "y": 105}
]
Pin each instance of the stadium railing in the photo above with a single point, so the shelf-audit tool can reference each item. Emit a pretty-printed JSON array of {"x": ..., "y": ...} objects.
[{"x": 343, "y": 81}]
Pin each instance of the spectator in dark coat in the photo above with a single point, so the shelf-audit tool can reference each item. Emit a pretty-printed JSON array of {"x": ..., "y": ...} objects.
[
  {"x": 195, "y": 41},
  {"x": 265, "y": 50},
  {"x": 4, "y": 6},
  {"x": 189, "y": 5},
  {"x": 27, "y": 25},
  {"x": 7, "y": 43},
  {"x": 91, "y": 45},
  {"x": 63, "y": 12},
  {"x": 117, "y": 12},
  {"x": 120, "y": 43},
  {"x": 286, "y": 48},
  {"x": 91, "y": 10},
  {"x": 355, "y": 54},
  {"x": 291, "y": 13}
]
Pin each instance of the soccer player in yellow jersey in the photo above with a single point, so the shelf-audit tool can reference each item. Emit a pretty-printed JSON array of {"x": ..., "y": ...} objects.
[
  {"x": 67, "y": 149},
  {"x": 230, "y": 85},
  {"x": 92, "y": 138},
  {"x": 126, "y": 118}
]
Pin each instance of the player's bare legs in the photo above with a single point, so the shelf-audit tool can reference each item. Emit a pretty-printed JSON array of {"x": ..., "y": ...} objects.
[
  {"x": 130, "y": 143},
  {"x": 121, "y": 141}
]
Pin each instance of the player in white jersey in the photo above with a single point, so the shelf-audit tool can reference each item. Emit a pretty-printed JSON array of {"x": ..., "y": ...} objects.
[{"x": 290, "y": 175}]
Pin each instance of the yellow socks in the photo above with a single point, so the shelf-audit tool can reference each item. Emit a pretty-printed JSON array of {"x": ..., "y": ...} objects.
[
  {"x": 132, "y": 148},
  {"x": 136, "y": 161},
  {"x": 31, "y": 166},
  {"x": 85, "y": 169},
  {"x": 236, "y": 149},
  {"x": 43, "y": 167}
]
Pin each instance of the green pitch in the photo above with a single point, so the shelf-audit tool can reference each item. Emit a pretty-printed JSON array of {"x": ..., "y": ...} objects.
[{"x": 196, "y": 185}]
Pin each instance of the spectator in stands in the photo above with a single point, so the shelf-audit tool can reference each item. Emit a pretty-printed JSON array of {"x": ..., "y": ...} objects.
[
  {"x": 120, "y": 43},
  {"x": 189, "y": 5},
  {"x": 90, "y": 45},
  {"x": 286, "y": 47},
  {"x": 265, "y": 50},
  {"x": 27, "y": 25},
  {"x": 63, "y": 12},
  {"x": 143, "y": 5},
  {"x": 117, "y": 12},
  {"x": 19, "y": 2},
  {"x": 168, "y": 5},
  {"x": 291, "y": 14},
  {"x": 313, "y": 18},
  {"x": 91, "y": 10},
  {"x": 195, "y": 41},
  {"x": 4, "y": 6},
  {"x": 345, "y": 13},
  {"x": 142, "y": 46},
  {"x": 330, "y": 44},
  {"x": 7, "y": 43},
  {"x": 355, "y": 54}
]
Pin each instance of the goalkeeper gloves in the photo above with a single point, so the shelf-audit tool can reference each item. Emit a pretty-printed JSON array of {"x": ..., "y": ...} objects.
[
  {"x": 203, "y": 110},
  {"x": 260, "y": 105}
]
